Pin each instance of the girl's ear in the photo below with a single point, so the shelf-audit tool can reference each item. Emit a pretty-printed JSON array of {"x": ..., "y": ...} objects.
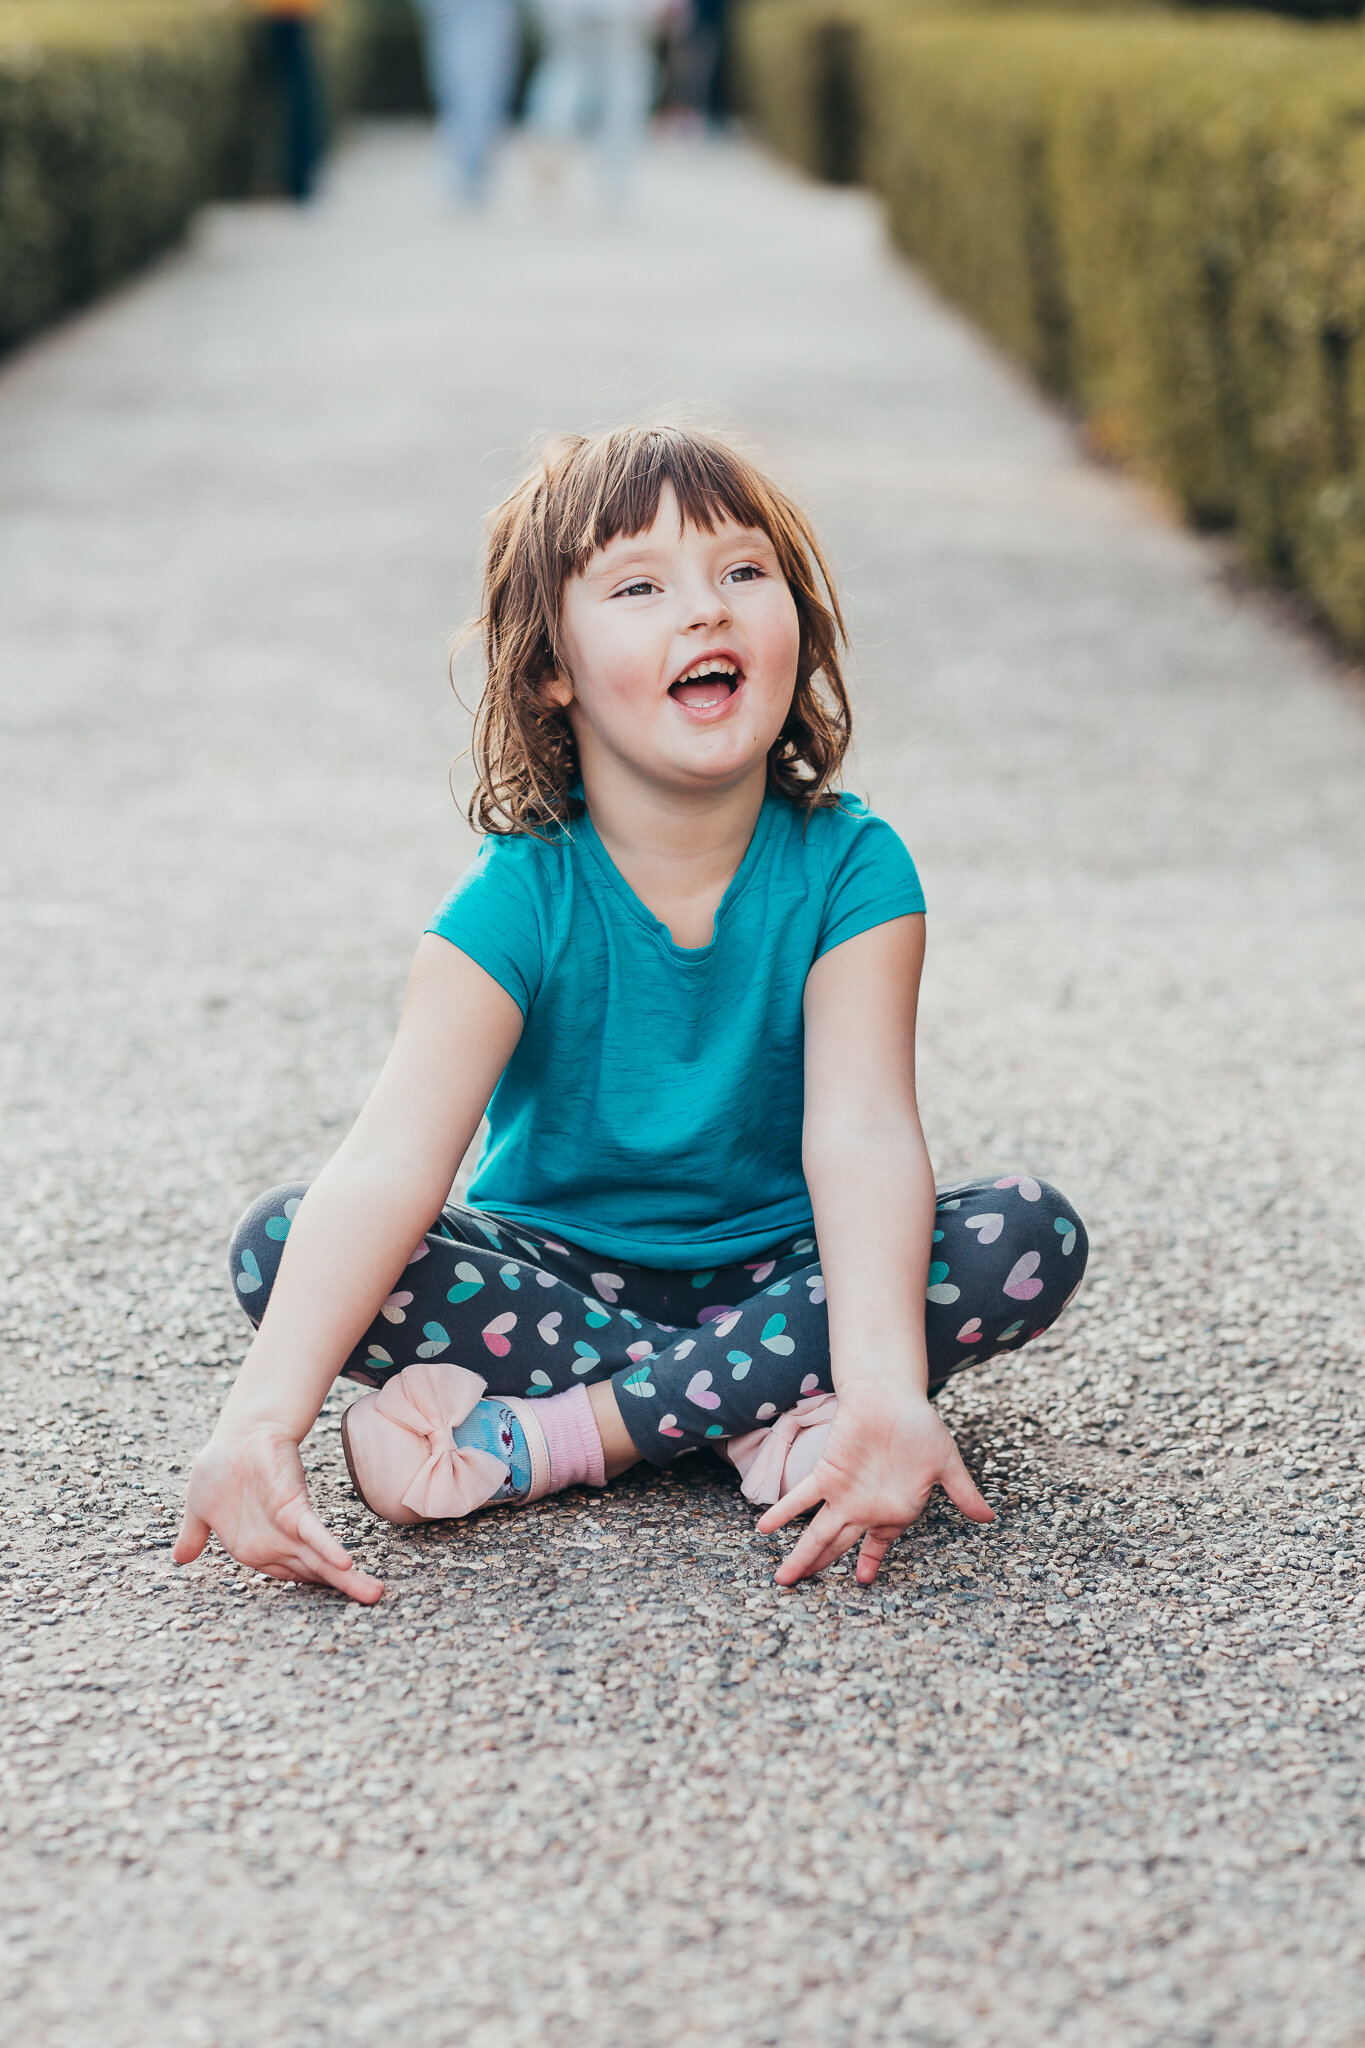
[{"x": 554, "y": 688}]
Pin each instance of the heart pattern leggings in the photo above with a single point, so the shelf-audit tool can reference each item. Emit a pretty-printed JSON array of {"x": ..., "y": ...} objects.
[{"x": 693, "y": 1357}]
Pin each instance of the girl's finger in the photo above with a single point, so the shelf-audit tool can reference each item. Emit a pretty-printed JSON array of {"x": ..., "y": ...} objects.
[
  {"x": 961, "y": 1489},
  {"x": 871, "y": 1552},
  {"x": 314, "y": 1570},
  {"x": 355, "y": 1584},
  {"x": 822, "y": 1543},
  {"x": 194, "y": 1534},
  {"x": 799, "y": 1501},
  {"x": 315, "y": 1537}
]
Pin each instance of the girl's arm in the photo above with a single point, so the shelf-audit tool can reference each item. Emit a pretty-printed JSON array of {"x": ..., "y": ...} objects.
[
  {"x": 872, "y": 1193},
  {"x": 351, "y": 1238}
]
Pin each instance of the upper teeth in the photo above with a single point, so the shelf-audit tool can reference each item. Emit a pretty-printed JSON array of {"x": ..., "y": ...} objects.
[{"x": 709, "y": 668}]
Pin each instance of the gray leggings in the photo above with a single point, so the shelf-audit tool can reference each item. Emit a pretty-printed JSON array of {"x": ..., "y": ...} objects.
[{"x": 693, "y": 1356}]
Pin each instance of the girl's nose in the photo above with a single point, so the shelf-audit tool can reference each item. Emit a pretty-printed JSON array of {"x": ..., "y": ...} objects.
[{"x": 705, "y": 611}]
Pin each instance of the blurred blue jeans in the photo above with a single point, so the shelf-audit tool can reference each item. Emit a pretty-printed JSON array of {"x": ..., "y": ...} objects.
[
  {"x": 472, "y": 48},
  {"x": 597, "y": 75},
  {"x": 291, "y": 54}
]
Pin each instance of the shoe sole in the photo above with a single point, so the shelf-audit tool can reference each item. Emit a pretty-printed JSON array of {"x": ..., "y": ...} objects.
[{"x": 350, "y": 1463}]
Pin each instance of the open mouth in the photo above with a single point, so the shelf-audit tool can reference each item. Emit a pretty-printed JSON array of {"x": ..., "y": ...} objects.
[{"x": 707, "y": 686}]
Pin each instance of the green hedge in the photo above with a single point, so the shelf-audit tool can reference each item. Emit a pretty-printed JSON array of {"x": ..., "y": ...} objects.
[
  {"x": 115, "y": 121},
  {"x": 1165, "y": 218},
  {"x": 119, "y": 118}
]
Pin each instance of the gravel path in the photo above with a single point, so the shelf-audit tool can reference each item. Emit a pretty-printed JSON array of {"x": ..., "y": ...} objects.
[{"x": 585, "y": 1777}]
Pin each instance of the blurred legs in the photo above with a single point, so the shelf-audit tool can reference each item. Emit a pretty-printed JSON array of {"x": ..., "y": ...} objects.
[{"x": 471, "y": 62}]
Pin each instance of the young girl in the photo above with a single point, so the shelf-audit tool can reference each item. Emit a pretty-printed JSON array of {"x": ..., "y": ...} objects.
[{"x": 680, "y": 979}]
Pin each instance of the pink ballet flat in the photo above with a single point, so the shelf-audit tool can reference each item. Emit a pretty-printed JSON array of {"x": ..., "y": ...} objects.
[
  {"x": 402, "y": 1458},
  {"x": 775, "y": 1459}
]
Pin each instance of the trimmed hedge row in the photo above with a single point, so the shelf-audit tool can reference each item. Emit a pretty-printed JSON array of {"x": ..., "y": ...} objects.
[
  {"x": 1164, "y": 217},
  {"x": 119, "y": 118},
  {"x": 115, "y": 122}
]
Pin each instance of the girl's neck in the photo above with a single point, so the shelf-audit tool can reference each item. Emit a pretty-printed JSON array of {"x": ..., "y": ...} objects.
[{"x": 679, "y": 853}]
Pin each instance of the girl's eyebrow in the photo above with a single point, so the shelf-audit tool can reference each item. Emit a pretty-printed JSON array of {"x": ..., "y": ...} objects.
[{"x": 608, "y": 563}]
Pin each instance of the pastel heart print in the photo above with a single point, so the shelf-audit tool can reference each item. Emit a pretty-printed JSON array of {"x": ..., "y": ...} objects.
[
  {"x": 766, "y": 1412},
  {"x": 438, "y": 1340},
  {"x": 541, "y": 1383},
  {"x": 379, "y": 1355},
  {"x": 810, "y": 1384},
  {"x": 1066, "y": 1230},
  {"x": 762, "y": 1272},
  {"x": 551, "y": 1246},
  {"x": 970, "y": 1333},
  {"x": 1027, "y": 1186},
  {"x": 816, "y": 1284},
  {"x": 714, "y": 1429},
  {"x": 642, "y": 1349},
  {"x": 989, "y": 1226},
  {"x": 528, "y": 1248},
  {"x": 495, "y": 1333},
  {"x": 1008, "y": 1336},
  {"x": 585, "y": 1358},
  {"x": 686, "y": 1348},
  {"x": 937, "y": 1237},
  {"x": 699, "y": 1391},
  {"x": 278, "y": 1226},
  {"x": 545, "y": 1280},
  {"x": 668, "y": 1424},
  {"x": 547, "y": 1329},
  {"x": 468, "y": 1280},
  {"x": 484, "y": 1231},
  {"x": 510, "y": 1276},
  {"x": 639, "y": 1383},
  {"x": 628, "y": 1315},
  {"x": 772, "y": 1339},
  {"x": 595, "y": 1316},
  {"x": 419, "y": 1252},
  {"x": 727, "y": 1323},
  {"x": 956, "y": 1203},
  {"x": 716, "y": 1311},
  {"x": 703, "y": 1279},
  {"x": 779, "y": 1287},
  {"x": 940, "y": 1288},
  {"x": 1021, "y": 1285},
  {"x": 249, "y": 1279},
  {"x": 739, "y": 1362},
  {"x": 804, "y": 1244},
  {"x": 392, "y": 1309},
  {"x": 608, "y": 1285}
]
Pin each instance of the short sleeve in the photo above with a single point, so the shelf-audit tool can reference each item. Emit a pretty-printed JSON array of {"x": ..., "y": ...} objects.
[
  {"x": 871, "y": 878},
  {"x": 500, "y": 913}
]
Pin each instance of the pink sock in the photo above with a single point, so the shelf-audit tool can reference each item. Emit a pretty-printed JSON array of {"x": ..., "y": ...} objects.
[{"x": 572, "y": 1440}]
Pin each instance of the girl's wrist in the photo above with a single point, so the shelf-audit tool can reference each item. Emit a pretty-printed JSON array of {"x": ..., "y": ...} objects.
[{"x": 903, "y": 1381}]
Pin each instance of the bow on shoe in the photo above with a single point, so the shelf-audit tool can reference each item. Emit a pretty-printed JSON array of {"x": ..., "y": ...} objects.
[
  {"x": 761, "y": 1454},
  {"x": 431, "y": 1401}
]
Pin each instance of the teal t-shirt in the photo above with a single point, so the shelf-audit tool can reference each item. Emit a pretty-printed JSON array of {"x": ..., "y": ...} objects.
[{"x": 652, "y": 1108}]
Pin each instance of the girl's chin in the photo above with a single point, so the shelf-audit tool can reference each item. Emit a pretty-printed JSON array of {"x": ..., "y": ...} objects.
[{"x": 721, "y": 767}]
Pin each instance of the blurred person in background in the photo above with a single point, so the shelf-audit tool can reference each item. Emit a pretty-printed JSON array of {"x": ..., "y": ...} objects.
[
  {"x": 472, "y": 48},
  {"x": 597, "y": 76},
  {"x": 704, "y": 60},
  {"x": 293, "y": 60}
]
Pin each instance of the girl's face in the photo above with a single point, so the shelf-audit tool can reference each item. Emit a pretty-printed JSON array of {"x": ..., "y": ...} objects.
[{"x": 682, "y": 650}]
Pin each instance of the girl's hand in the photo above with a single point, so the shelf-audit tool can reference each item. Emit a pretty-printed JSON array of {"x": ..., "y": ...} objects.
[
  {"x": 887, "y": 1450},
  {"x": 248, "y": 1489}
]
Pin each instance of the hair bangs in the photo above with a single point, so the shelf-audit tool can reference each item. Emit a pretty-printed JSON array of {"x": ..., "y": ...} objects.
[{"x": 619, "y": 495}]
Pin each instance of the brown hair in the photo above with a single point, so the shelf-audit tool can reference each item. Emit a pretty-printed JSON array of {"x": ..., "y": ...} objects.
[{"x": 582, "y": 493}]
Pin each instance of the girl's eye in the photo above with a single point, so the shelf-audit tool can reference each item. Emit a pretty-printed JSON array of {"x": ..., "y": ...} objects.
[
  {"x": 636, "y": 590},
  {"x": 745, "y": 573}
]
